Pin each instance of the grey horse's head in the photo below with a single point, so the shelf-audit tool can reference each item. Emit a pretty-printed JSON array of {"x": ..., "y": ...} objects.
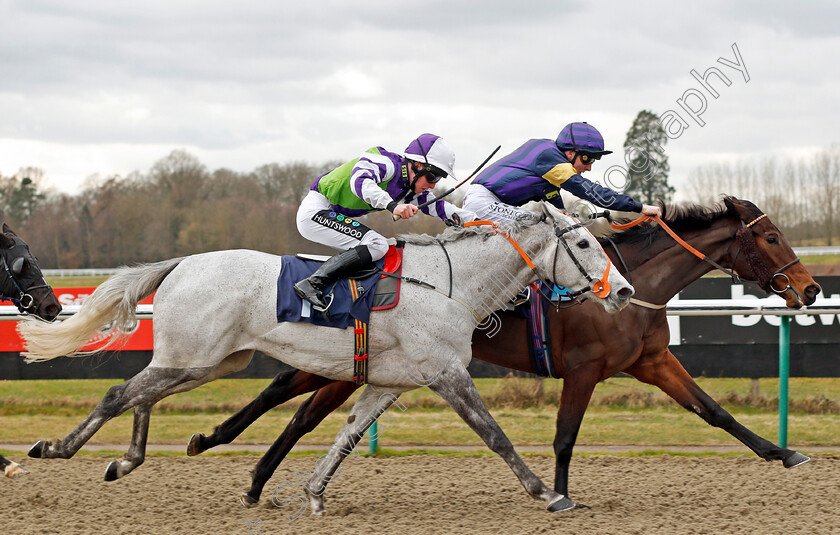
[{"x": 568, "y": 254}]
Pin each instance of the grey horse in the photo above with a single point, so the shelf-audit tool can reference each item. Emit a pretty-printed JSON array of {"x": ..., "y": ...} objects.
[{"x": 213, "y": 310}]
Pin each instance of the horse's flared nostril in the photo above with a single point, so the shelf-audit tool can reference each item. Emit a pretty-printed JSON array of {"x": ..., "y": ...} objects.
[
  {"x": 51, "y": 312},
  {"x": 811, "y": 293},
  {"x": 626, "y": 292}
]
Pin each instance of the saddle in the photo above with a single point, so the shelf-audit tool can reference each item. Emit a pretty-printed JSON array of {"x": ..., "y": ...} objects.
[
  {"x": 387, "y": 290},
  {"x": 350, "y": 299}
]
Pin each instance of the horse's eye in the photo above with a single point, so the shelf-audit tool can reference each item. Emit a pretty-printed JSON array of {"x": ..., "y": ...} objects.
[
  {"x": 583, "y": 244},
  {"x": 17, "y": 266},
  {"x": 772, "y": 240}
]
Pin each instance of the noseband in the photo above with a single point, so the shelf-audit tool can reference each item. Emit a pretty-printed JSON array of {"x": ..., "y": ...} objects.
[
  {"x": 601, "y": 287},
  {"x": 764, "y": 274},
  {"x": 24, "y": 301}
]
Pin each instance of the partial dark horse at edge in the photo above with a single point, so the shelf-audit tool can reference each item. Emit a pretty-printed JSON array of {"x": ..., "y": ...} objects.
[{"x": 22, "y": 283}]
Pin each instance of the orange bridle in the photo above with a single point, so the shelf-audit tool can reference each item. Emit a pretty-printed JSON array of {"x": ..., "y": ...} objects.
[{"x": 599, "y": 287}]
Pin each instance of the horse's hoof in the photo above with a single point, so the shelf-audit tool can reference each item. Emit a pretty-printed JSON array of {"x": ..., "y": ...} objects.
[
  {"x": 247, "y": 501},
  {"x": 563, "y": 503},
  {"x": 111, "y": 473},
  {"x": 15, "y": 470},
  {"x": 795, "y": 460},
  {"x": 194, "y": 447},
  {"x": 316, "y": 501},
  {"x": 37, "y": 449}
]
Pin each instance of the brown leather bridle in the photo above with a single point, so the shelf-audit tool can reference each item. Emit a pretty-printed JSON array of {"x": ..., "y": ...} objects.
[{"x": 765, "y": 275}]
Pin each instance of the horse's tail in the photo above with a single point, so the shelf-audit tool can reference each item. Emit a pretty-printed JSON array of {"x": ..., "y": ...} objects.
[{"x": 110, "y": 312}]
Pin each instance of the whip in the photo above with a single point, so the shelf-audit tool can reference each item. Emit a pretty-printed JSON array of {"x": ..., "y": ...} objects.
[{"x": 477, "y": 169}]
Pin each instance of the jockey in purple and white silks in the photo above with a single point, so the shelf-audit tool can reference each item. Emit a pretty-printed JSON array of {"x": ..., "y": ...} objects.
[
  {"x": 377, "y": 180},
  {"x": 539, "y": 169}
]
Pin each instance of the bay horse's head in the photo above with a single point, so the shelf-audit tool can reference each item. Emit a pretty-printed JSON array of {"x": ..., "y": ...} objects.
[
  {"x": 762, "y": 253},
  {"x": 21, "y": 280}
]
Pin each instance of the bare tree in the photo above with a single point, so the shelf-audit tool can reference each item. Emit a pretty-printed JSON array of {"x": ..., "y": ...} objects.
[{"x": 827, "y": 181}]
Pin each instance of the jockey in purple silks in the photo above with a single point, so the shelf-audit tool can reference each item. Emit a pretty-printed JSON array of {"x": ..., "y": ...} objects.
[
  {"x": 377, "y": 180},
  {"x": 539, "y": 169}
]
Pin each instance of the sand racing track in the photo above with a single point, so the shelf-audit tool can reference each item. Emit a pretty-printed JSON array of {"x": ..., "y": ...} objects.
[{"x": 429, "y": 494}]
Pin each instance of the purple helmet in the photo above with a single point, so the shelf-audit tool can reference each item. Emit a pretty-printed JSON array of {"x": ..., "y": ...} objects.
[{"x": 582, "y": 137}]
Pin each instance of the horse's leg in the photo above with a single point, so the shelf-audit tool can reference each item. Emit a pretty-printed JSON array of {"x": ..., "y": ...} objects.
[
  {"x": 370, "y": 405},
  {"x": 136, "y": 453},
  {"x": 147, "y": 387},
  {"x": 666, "y": 372},
  {"x": 455, "y": 386},
  {"x": 11, "y": 468},
  {"x": 284, "y": 387},
  {"x": 578, "y": 386},
  {"x": 311, "y": 413}
]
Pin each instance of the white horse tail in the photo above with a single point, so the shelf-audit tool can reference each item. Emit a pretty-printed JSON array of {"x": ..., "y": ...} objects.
[{"x": 110, "y": 311}]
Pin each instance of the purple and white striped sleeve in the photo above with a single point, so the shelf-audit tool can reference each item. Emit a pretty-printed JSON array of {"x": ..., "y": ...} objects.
[{"x": 368, "y": 173}]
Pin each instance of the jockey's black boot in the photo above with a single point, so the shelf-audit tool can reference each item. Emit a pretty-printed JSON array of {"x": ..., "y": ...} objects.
[{"x": 337, "y": 266}]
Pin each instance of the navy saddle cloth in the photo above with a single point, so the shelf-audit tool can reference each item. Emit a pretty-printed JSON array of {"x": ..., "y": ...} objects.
[{"x": 343, "y": 311}]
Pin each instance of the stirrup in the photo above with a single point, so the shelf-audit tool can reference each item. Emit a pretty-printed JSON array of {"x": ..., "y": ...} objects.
[
  {"x": 521, "y": 298},
  {"x": 328, "y": 299}
]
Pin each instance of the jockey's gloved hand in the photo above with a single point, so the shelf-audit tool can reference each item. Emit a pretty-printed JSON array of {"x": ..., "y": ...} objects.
[
  {"x": 652, "y": 211},
  {"x": 454, "y": 221}
]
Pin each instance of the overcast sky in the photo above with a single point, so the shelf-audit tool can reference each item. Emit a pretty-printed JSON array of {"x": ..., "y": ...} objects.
[{"x": 103, "y": 87}]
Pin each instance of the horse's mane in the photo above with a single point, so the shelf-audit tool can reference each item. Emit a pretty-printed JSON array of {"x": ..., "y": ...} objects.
[
  {"x": 451, "y": 234},
  {"x": 684, "y": 218}
]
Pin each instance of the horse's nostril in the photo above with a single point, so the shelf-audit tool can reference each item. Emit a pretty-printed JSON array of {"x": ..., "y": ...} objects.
[
  {"x": 625, "y": 293},
  {"x": 812, "y": 290}
]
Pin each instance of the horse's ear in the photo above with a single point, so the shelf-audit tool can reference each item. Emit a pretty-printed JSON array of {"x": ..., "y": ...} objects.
[
  {"x": 7, "y": 230},
  {"x": 729, "y": 202},
  {"x": 733, "y": 204},
  {"x": 545, "y": 211},
  {"x": 6, "y": 241}
]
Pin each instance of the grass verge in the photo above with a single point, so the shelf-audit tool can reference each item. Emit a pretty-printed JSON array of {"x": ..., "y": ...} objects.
[{"x": 623, "y": 412}]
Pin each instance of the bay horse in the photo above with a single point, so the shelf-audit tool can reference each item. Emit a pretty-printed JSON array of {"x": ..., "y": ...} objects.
[
  {"x": 588, "y": 345},
  {"x": 213, "y": 310},
  {"x": 22, "y": 283}
]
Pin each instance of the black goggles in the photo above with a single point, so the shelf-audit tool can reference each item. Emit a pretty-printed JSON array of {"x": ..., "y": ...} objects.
[
  {"x": 434, "y": 175},
  {"x": 587, "y": 159}
]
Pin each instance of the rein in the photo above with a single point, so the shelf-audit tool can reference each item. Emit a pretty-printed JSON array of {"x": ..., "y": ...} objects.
[
  {"x": 600, "y": 288},
  {"x": 424, "y": 284},
  {"x": 765, "y": 275}
]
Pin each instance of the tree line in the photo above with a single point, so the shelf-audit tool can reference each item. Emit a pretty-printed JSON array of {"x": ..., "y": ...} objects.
[
  {"x": 802, "y": 195},
  {"x": 177, "y": 208}
]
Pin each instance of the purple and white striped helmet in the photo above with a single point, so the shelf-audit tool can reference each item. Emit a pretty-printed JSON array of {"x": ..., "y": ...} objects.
[
  {"x": 582, "y": 137},
  {"x": 432, "y": 149}
]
